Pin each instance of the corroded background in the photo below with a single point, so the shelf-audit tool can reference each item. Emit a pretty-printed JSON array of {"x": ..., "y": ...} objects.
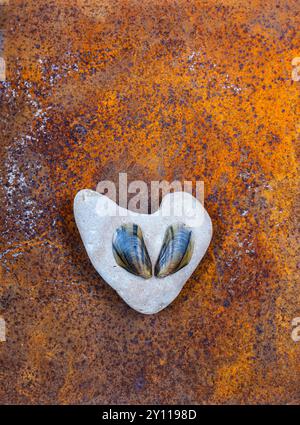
[{"x": 197, "y": 90}]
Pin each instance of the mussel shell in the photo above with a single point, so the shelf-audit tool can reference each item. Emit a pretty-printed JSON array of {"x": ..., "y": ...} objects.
[
  {"x": 176, "y": 251},
  {"x": 130, "y": 251}
]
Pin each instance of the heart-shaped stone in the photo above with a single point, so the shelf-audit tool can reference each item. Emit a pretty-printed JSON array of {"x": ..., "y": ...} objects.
[{"x": 98, "y": 218}]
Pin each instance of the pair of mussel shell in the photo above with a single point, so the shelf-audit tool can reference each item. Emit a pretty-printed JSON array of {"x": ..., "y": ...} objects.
[{"x": 131, "y": 253}]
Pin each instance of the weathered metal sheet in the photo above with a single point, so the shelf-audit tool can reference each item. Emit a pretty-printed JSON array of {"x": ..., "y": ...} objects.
[{"x": 188, "y": 90}]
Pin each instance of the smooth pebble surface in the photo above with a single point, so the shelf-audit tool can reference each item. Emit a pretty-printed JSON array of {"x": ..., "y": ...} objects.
[{"x": 97, "y": 218}]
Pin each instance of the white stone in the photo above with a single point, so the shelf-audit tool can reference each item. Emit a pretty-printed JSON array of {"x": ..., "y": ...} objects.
[{"x": 97, "y": 217}]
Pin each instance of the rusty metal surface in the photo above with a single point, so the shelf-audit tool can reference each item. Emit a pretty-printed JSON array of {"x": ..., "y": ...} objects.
[{"x": 193, "y": 90}]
